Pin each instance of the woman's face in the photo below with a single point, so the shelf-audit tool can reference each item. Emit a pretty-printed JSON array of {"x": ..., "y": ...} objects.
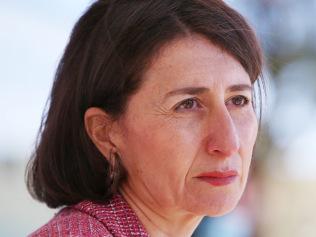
[{"x": 188, "y": 133}]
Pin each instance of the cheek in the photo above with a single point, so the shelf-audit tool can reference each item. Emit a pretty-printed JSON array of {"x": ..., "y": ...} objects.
[
  {"x": 247, "y": 129},
  {"x": 160, "y": 148}
]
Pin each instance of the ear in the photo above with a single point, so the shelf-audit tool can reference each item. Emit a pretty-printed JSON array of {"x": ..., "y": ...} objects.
[{"x": 99, "y": 127}]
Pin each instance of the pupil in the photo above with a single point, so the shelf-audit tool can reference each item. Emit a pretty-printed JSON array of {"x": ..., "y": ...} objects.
[
  {"x": 238, "y": 101},
  {"x": 189, "y": 104}
]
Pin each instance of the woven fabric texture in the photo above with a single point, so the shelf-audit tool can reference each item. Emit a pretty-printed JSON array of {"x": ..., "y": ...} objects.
[{"x": 112, "y": 219}]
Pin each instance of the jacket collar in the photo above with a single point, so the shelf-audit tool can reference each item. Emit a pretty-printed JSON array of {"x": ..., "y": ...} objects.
[{"x": 116, "y": 215}]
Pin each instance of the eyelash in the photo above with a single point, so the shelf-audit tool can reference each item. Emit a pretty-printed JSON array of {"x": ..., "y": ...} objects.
[
  {"x": 182, "y": 105},
  {"x": 238, "y": 97}
]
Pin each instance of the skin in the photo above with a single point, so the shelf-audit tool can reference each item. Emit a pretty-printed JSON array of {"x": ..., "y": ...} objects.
[{"x": 169, "y": 136}]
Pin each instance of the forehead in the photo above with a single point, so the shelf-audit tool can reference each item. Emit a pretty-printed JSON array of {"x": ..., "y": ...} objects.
[{"x": 193, "y": 60}]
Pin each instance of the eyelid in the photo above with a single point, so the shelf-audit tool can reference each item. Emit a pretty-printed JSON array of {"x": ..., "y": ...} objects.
[
  {"x": 247, "y": 98},
  {"x": 197, "y": 100},
  {"x": 245, "y": 95}
]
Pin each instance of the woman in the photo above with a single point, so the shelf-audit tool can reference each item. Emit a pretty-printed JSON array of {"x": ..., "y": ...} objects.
[{"x": 151, "y": 122}]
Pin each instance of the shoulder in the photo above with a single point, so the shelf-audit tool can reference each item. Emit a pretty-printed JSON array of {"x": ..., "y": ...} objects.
[
  {"x": 110, "y": 218},
  {"x": 72, "y": 222}
]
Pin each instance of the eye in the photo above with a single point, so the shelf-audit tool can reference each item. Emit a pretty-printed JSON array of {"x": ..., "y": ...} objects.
[
  {"x": 239, "y": 101},
  {"x": 188, "y": 104}
]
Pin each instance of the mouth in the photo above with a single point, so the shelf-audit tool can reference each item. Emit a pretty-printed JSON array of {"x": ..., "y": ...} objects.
[{"x": 219, "y": 178}]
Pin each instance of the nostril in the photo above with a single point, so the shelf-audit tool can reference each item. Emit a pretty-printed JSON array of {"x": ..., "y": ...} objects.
[
  {"x": 223, "y": 138},
  {"x": 223, "y": 144}
]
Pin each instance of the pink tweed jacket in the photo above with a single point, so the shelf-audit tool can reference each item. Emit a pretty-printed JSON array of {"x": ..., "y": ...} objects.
[{"x": 112, "y": 219}]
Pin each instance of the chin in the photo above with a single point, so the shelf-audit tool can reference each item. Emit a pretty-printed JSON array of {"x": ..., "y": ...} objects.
[
  {"x": 220, "y": 210},
  {"x": 215, "y": 205}
]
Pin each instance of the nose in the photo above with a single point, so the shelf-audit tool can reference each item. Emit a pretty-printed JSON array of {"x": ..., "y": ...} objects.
[{"x": 222, "y": 139}]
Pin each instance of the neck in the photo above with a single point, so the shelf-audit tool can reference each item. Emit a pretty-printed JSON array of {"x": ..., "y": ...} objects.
[{"x": 160, "y": 222}]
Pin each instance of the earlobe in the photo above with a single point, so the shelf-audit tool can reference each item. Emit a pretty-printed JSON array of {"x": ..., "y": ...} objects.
[{"x": 98, "y": 126}]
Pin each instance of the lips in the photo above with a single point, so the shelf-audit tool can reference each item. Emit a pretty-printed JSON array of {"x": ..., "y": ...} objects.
[{"x": 219, "y": 178}]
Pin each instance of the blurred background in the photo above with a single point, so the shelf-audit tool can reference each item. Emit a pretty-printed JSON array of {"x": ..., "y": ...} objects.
[{"x": 280, "y": 199}]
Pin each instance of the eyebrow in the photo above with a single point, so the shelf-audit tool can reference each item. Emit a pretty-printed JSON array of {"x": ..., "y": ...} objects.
[
  {"x": 187, "y": 91},
  {"x": 240, "y": 87},
  {"x": 201, "y": 90}
]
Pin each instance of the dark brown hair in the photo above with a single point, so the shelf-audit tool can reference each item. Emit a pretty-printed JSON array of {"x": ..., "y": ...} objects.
[{"x": 110, "y": 47}]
